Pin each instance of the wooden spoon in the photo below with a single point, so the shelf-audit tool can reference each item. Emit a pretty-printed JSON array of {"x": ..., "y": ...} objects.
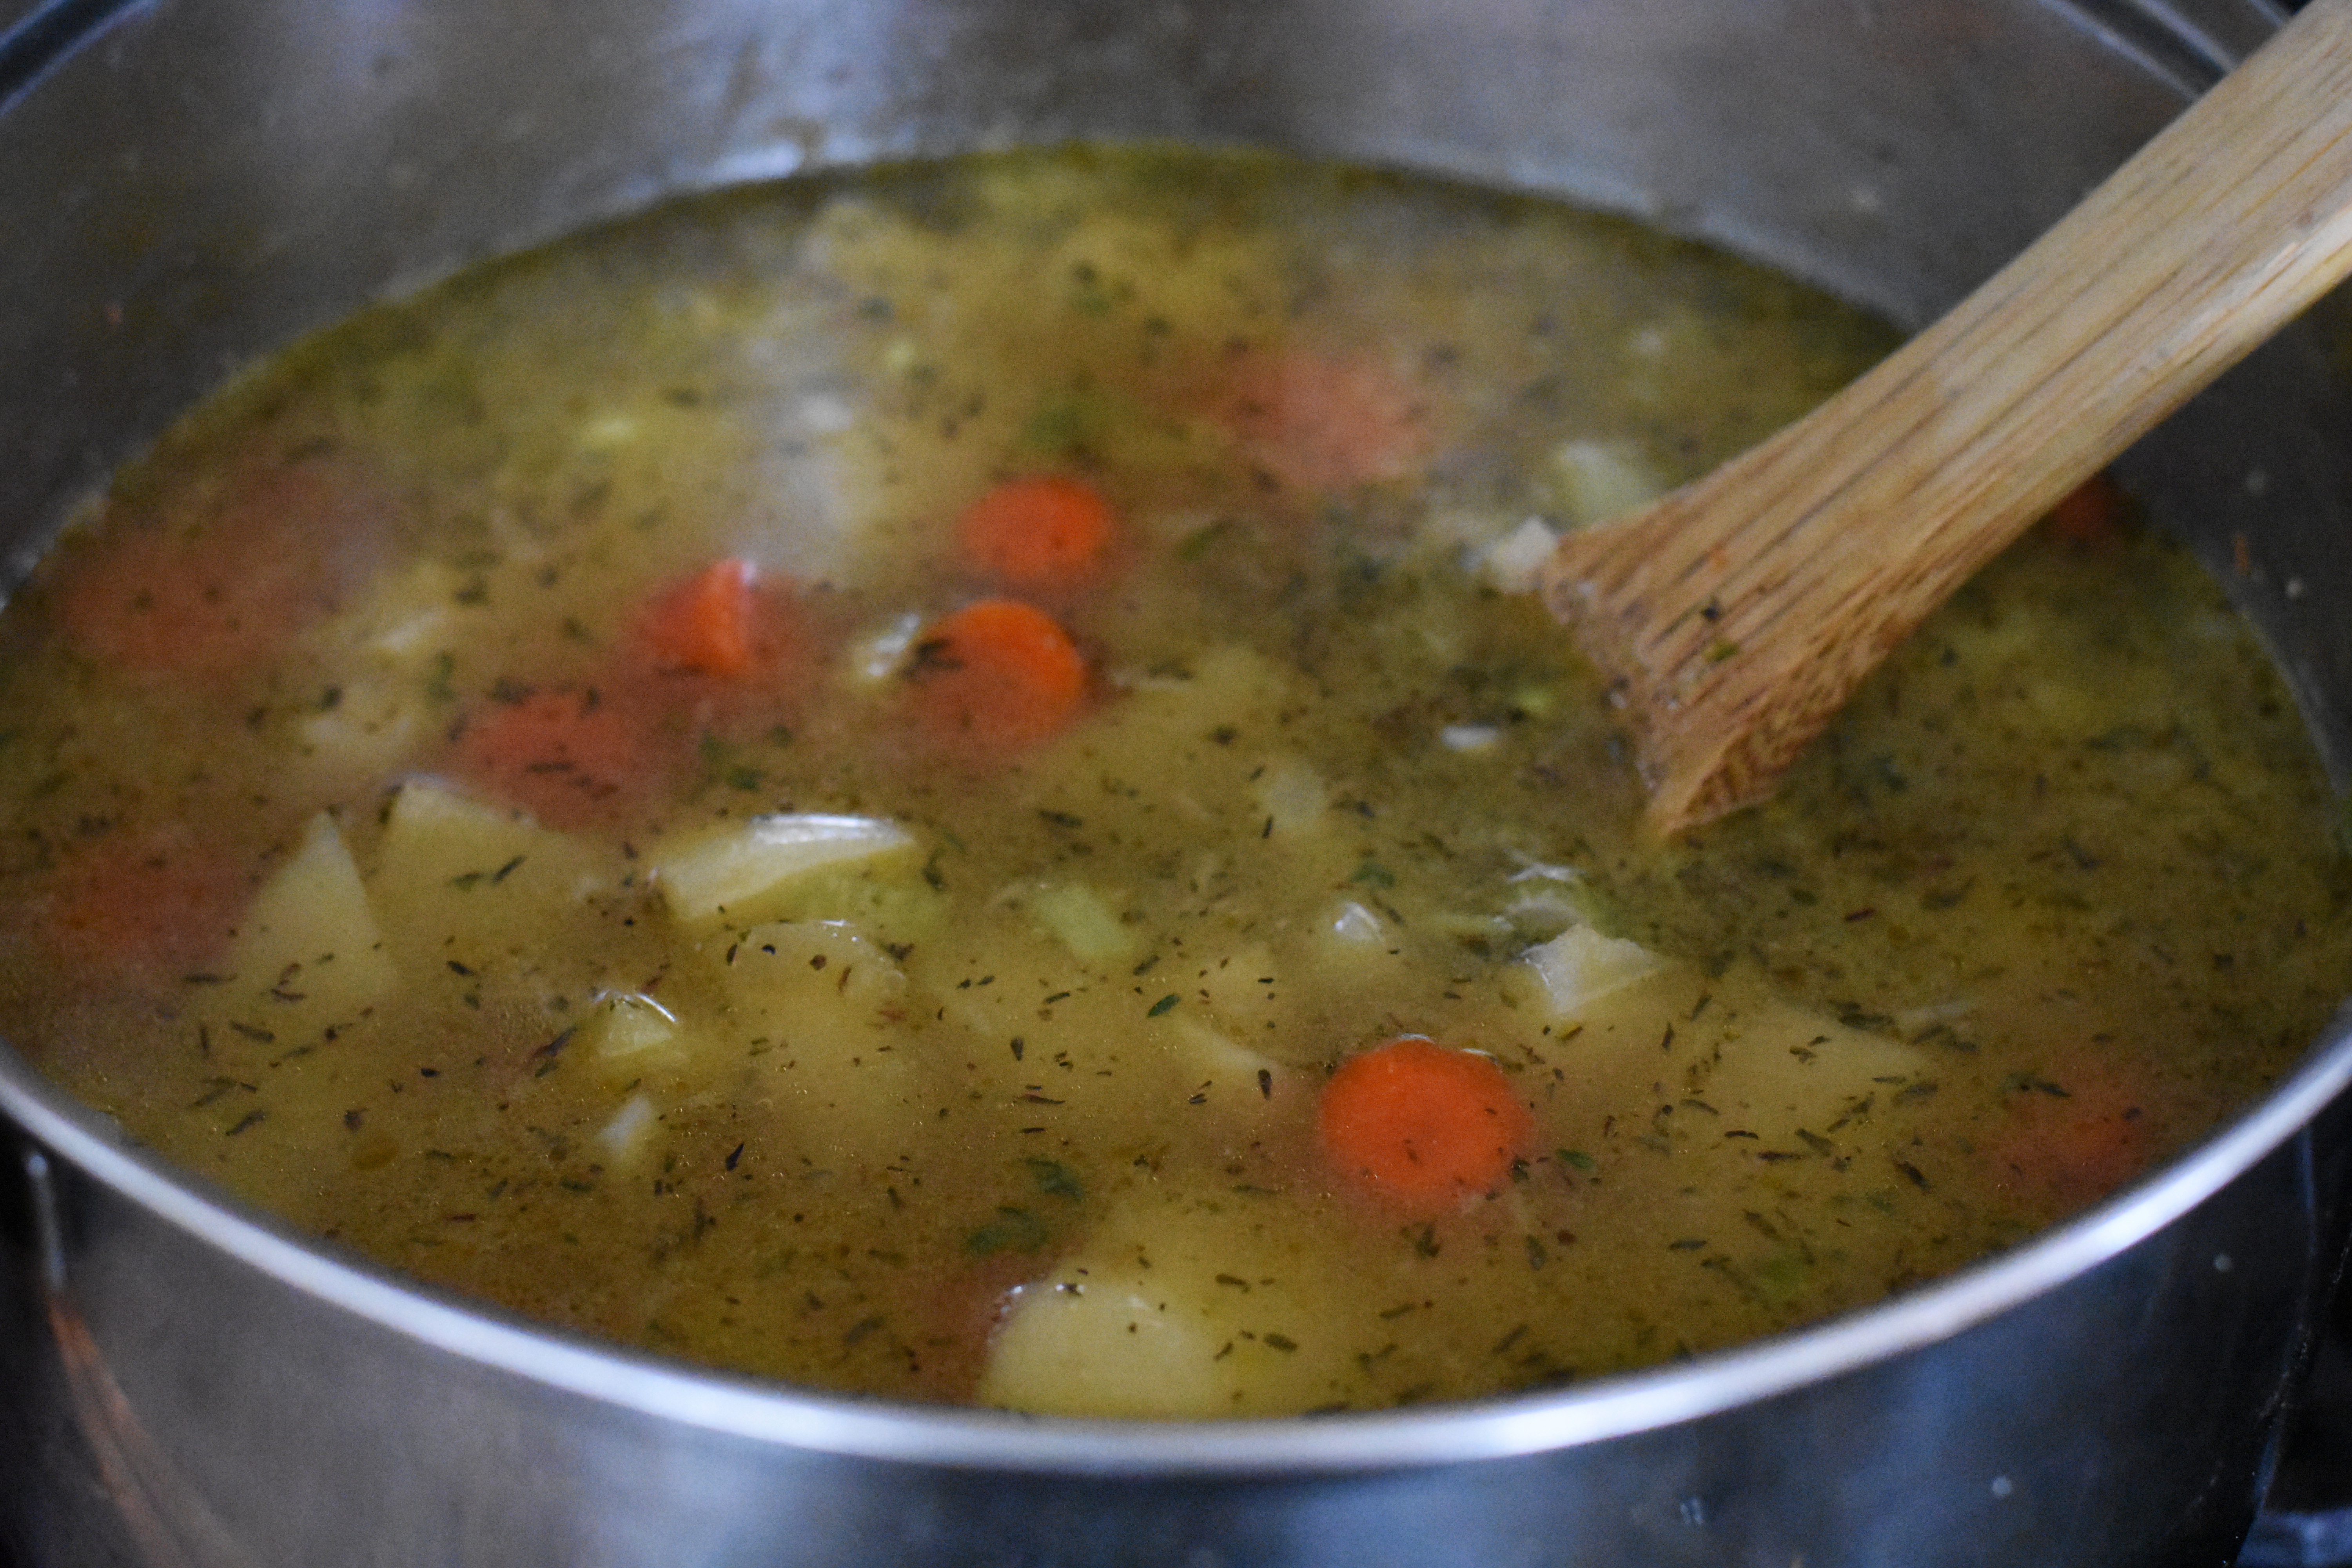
[{"x": 1735, "y": 614}]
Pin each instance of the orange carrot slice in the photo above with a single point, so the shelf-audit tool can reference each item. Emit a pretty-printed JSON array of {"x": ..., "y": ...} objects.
[
  {"x": 567, "y": 756},
  {"x": 996, "y": 678},
  {"x": 1324, "y": 422},
  {"x": 148, "y": 901},
  {"x": 208, "y": 588},
  {"x": 710, "y": 624},
  {"x": 1044, "y": 532},
  {"x": 2068, "y": 1143},
  {"x": 1421, "y": 1126}
]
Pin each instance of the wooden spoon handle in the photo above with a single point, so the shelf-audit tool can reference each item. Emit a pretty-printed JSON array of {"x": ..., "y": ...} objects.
[{"x": 1739, "y": 612}]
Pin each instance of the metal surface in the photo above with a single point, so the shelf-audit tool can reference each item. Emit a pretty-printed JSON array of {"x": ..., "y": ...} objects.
[{"x": 182, "y": 1382}]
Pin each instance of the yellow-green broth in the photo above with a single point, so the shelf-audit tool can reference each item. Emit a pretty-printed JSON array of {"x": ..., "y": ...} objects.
[{"x": 1020, "y": 1106}]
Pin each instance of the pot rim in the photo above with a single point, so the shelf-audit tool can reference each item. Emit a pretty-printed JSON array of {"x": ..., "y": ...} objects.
[{"x": 1502, "y": 1427}]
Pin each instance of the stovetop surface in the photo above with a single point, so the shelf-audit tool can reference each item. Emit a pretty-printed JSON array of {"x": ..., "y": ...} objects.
[{"x": 2308, "y": 1520}]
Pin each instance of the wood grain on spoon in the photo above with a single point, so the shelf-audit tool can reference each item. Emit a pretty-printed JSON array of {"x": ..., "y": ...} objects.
[{"x": 1736, "y": 614}]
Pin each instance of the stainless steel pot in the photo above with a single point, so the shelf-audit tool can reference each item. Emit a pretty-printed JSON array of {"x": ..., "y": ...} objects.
[{"x": 182, "y": 1382}]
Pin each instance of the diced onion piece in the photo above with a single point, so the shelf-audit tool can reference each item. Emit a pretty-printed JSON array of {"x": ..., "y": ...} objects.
[
  {"x": 1469, "y": 737},
  {"x": 632, "y": 1033},
  {"x": 625, "y": 1136},
  {"x": 1532, "y": 870},
  {"x": 1544, "y": 911},
  {"x": 1352, "y": 922},
  {"x": 1510, "y": 565},
  {"x": 882, "y": 653},
  {"x": 1599, "y": 479},
  {"x": 706, "y": 881},
  {"x": 1293, "y": 797},
  {"x": 1580, "y": 966},
  {"x": 1079, "y": 918}
]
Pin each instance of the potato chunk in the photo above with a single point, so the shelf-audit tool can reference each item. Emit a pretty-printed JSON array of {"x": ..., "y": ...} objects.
[
  {"x": 1174, "y": 1311},
  {"x": 822, "y": 1011},
  {"x": 308, "y": 955},
  {"x": 453, "y": 870},
  {"x": 747, "y": 870}
]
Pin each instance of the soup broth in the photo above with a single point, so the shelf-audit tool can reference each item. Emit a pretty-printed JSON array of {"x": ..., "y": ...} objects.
[{"x": 943, "y": 784}]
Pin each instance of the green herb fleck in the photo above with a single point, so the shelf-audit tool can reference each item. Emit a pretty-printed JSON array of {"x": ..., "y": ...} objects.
[
  {"x": 1201, "y": 541},
  {"x": 1012, "y": 1230},
  {"x": 1056, "y": 1179}
]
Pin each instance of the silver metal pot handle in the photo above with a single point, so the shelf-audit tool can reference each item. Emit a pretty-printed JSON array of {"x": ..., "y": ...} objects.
[{"x": 170, "y": 1525}]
